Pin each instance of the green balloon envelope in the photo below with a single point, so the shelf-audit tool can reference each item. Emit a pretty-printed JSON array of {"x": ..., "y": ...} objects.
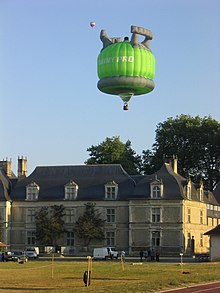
[{"x": 126, "y": 69}]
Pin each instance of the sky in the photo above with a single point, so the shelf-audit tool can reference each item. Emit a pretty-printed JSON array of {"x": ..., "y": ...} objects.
[{"x": 51, "y": 109}]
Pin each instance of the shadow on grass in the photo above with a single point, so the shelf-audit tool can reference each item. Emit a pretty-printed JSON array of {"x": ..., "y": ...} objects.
[
  {"x": 107, "y": 279},
  {"x": 26, "y": 288},
  {"x": 118, "y": 279}
]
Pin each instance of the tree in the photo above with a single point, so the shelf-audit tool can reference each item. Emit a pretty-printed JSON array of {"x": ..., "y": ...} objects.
[
  {"x": 90, "y": 225},
  {"x": 113, "y": 151},
  {"x": 195, "y": 141},
  {"x": 49, "y": 224}
]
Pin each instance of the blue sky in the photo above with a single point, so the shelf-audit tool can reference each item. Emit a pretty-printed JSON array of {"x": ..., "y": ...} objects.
[{"x": 51, "y": 109}]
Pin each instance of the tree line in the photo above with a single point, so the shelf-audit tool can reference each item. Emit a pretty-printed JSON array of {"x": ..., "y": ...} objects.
[{"x": 194, "y": 140}]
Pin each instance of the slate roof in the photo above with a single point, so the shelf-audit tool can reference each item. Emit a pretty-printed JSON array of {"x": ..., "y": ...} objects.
[
  {"x": 216, "y": 192},
  {"x": 214, "y": 231},
  {"x": 91, "y": 180},
  {"x": 172, "y": 183}
]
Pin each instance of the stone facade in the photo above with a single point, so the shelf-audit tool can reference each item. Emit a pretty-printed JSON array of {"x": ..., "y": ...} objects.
[{"x": 162, "y": 211}]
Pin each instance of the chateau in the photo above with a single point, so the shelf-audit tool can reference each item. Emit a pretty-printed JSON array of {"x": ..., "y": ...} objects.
[{"x": 163, "y": 211}]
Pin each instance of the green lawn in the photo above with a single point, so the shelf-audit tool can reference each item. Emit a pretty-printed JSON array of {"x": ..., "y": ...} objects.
[{"x": 66, "y": 276}]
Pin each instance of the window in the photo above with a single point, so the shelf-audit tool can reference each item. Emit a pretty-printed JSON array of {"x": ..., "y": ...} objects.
[
  {"x": 189, "y": 239},
  {"x": 188, "y": 190},
  {"x": 111, "y": 190},
  {"x": 155, "y": 238},
  {"x": 156, "y": 215},
  {"x": 201, "y": 192},
  {"x": 110, "y": 217},
  {"x": 110, "y": 238},
  {"x": 201, "y": 239},
  {"x": 32, "y": 191},
  {"x": 213, "y": 222},
  {"x": 156, "y": 188},
  {"x": 70, "y": 213},
  {"x": 69, "y": 238},
  {"x": 71, "y": 190},
  {"x": 31, "y": 237},
  {"x": 201, "y": 217},
  {"x": 189, "y": 215},
  {"x": 30, "y": 216},
  {"x": 156, "y": 192}
]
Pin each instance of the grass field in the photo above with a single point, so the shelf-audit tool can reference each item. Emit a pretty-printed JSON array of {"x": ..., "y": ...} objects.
[{"x": 67, "y": 276}]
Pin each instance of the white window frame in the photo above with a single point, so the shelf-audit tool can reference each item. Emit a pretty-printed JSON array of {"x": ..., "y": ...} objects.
[
  {"x": 32, "y": 191},
  {"x": 156, "y": 215},
  {"x": 189, "y": 190},
  {"x": 31, "y": 237},
  {"x": 155, "y": 238},
  {"x": 201, "y": 216},
  {"x": 30, "y": 215},
  {"x": 71, "y": 190},
  {"x": 70, "y": 215},
  {"x": 110, "y": 215},
  {"x": 156, "y": 189},
  {"x": 201, "y": 193},
  {"x": 188, "y": 215},
  {"x": 111, "y": 190},
  {"x": 70, "y": 238},
  {"x": 110, "y": 238}
]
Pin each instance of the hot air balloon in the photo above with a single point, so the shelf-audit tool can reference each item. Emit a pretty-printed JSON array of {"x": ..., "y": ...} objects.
[
  {"x": 92, "y": 23},
  {"x": 126, "y": 68}
]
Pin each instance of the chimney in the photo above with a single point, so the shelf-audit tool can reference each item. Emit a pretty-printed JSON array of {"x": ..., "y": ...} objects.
[
  {"x": 172, "y": 161},
  {"x": 22, "y": 167},
  {"x": 5, "y": 165}
]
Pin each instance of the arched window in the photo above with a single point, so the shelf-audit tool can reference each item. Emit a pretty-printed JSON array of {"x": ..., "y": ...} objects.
[
  {"x": 156, "y": 188},
  {"x": 201, "y": 192},
  {"x": 188, "y": 191}
]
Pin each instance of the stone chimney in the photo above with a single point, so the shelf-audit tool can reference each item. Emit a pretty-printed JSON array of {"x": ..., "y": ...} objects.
[
  {"x": 22, "y": 167},
  {"x": 5, "y": 165},
  {"x": 172, "y": 161}
]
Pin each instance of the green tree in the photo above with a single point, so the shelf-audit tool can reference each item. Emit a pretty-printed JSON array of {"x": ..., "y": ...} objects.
[
  {"x": 90, "y": 226},
  {"x": 113, "y": 151},
  {"x": 195, "y": 141},
  {"x": 49, "y": 224}
]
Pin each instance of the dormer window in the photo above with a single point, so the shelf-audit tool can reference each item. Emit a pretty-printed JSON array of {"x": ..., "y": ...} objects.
[
  {"x": 201, "y": 192},
  {"x": 188, "y": 190},
  {"x": 156, "y": 188},
  {"x": 71, "y": 190},
  {"x": 32, "y": 191},
  {"x": 111, "y": 190}
]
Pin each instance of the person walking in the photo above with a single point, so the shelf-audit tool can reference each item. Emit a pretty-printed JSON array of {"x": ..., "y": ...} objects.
[
  {"x": 157, "y": 256},
  {"x": 152, "y": 254},
  {"x": 141, "y": 255}
]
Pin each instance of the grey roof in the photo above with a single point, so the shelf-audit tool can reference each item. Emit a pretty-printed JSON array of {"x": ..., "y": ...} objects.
[
  {"x": 216, "y": 192},
  {"x": 172, "y": 183},
  {"x": 214, "y": 231},
  {"x": 91, "y": 180}
]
